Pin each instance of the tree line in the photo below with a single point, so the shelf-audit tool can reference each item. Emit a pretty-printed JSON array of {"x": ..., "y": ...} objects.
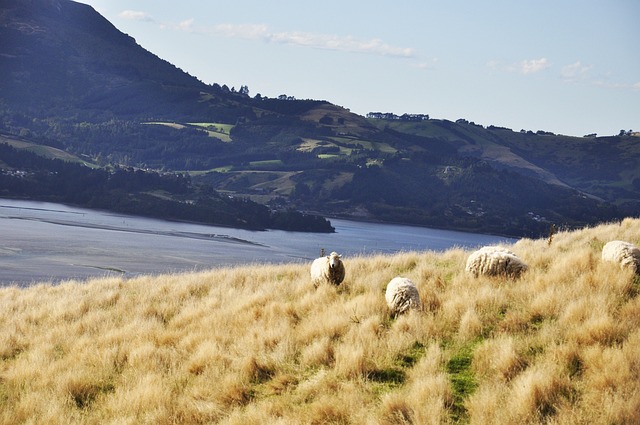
[{"x": 140, "y": 192}]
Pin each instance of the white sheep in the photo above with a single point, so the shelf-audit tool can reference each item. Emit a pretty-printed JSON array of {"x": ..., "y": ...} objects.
[
  {"x": 495, "y": 261},
  {"x": 327, "y": 269},
  {"x": 402, "y": 295},
  {"x": 626, "y": 254}
]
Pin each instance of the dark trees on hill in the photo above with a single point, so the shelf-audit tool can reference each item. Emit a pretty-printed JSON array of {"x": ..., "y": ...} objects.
[{"x": 132, "y": 191}]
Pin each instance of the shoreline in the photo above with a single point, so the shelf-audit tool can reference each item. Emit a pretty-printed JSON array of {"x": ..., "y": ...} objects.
[{"x": 54, "y": 242}]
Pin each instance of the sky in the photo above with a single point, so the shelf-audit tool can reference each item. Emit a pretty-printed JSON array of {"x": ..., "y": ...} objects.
[{"x": 566, "y": 66}]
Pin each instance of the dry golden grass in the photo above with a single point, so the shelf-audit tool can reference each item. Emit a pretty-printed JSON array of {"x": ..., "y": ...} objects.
[{"x": 258, "y": 344}]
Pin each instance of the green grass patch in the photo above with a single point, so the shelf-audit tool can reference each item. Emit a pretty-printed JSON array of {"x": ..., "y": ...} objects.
[
  {"x": 410, "y": 357},
  {"x": 214, "y": 129},
  {"x": 197, "y": 173},
  {"x": 392, "y": 376},
  {"x": 175, "y": 125},
  {"x": 217, "y": 130},
  {"x": 366, "y": 144},
  {"x": 270, "y": 163},
  {"x": 45, "y": 151},
  {"x": 385, "y": 380},
  {"x": 214, "y": 126},
  {"x": 463, "y": 381}
]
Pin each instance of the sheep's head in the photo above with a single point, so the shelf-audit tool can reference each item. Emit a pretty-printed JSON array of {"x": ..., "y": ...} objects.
[{"x": 334, "y": 259}]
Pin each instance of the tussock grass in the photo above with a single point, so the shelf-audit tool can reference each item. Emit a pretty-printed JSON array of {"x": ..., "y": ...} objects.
[{"x": 258, "y": 344}]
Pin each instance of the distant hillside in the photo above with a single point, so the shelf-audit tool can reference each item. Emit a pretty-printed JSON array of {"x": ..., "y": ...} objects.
[
  {"x": 602, "y": 167},
  {"x": 47, "y": 174},
  {"x": 260, "y": 345},
  {"x": 75, "y": 83}
]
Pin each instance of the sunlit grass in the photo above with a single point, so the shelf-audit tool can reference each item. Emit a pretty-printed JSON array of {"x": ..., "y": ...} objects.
[
  {"x": 258, "y": 344},
  {"x": 214, "y": 126},
  {"x": 217, "y": 130}
]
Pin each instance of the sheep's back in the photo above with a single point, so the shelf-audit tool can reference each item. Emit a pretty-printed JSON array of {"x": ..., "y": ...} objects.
[
  {"x": 624, "y": 253},
  {"x": 402, "y": 295},
  {"x": 494, "y": 261}
]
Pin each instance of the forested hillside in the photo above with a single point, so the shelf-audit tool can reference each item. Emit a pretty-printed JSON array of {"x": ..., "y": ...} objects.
[{"x": 171, "y": 196}]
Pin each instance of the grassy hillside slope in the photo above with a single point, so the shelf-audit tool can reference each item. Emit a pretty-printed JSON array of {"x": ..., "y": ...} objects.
[
  {"x": 258, "y": 344},
  {"x": 42, "y": 150}
]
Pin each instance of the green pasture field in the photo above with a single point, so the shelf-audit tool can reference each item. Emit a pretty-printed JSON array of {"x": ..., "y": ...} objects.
[
  {"x": 44, "y": 151},
  {"x": 217, "y": 130},
  {"x": 367, "y": 144},
  {"x": 266, "y": 163},
  {"x": 175, "y": 125},
  {"x": 214, "y": 126},
  {"x": 309, "y": 145}
]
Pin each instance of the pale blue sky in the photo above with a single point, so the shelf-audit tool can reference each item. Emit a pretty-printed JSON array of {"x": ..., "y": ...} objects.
[{"x": 567, "y": 66}]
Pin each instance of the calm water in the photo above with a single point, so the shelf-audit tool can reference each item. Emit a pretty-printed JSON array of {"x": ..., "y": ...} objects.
[{"x": 52, "y": 242}]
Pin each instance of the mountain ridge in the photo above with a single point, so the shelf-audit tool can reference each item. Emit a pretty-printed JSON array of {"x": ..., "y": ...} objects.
[{"x": 308, "y": 155}]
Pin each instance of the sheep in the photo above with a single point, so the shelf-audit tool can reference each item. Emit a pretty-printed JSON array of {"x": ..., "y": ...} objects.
[
  {"x": 402, "y": 295},
  {"x": 495, "y": 261},
  {"x": 327, "y": 269},
  {"x": 626, "y": 254}
]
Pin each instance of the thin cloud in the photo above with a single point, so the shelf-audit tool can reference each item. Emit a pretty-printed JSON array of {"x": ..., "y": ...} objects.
[
  {"x": 136, "y": 15},
  {"x": 613, "y": 85},
  {"x": 340, "y": 43},
  {"x": 262, "y": 32},
  {"x": 531, "y": 66},
  {"x": 575, "y": 71},
  {"x": 525, "y": 67},
  {"x": 429, "y": 64},
  {"x": 185, "y": 25},
  {"x": 494, "y": 65},
  {"x": 246, "y": 31},
  {"x": 578, "y": 73}
]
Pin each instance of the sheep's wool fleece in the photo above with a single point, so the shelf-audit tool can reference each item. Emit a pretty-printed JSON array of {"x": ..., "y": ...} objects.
[
  {"x": 402, "y": 295},
  {"x": 322, "y": 270},
  {"x": 624, "y": 253},
  {"x": 494, "y": 261}
]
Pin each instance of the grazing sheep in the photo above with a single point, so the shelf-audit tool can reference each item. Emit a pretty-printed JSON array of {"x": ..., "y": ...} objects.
[
  {"x": 624, "y": 253},
  {"x": 402, "y": 295},
  {"x": 495, "y": 261},
  {"x": 328, "y": 269}
]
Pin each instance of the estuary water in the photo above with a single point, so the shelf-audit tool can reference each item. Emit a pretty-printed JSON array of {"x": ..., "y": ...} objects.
[{"x": 46, "y": 242}]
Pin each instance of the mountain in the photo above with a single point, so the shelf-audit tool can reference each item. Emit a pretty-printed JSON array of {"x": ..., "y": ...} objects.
[
  {"x": 63, "y": 58},
  {"x": 75, "y": 83}
]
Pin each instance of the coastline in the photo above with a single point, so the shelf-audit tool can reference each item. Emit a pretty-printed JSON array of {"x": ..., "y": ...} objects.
[{"x": 57, "y": 242}]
